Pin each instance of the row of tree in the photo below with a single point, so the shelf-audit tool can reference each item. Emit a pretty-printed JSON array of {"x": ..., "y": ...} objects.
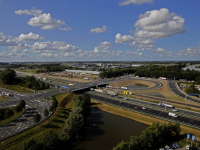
[
  {"x": 116, "y": 72},
  {"x": 8, "y": 76},
  {"x": 8, "y": 112},
  {"x": 72, "y": 130},
  {"x": 153, "y": 137}
]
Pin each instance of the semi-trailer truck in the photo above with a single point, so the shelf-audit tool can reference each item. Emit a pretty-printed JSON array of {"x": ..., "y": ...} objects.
[
  {"x": 172, "y": 114},
  {"x": 163, "y": 104},
  {"x": 124, "y": 88}
]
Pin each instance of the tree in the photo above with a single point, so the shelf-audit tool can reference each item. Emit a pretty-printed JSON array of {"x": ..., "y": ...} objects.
[
  {"x": 22, "y": 103},
  {"x": 18, "y": 108},
  {"x": 1, "y": 116},
  {"x": 8, "y": 76},
  {"x": 51, "y": 141},
  {"x": 54, "y": 103},
  {"x": 8, "y": 113},
  {"x": 45, "y": 112},
  {"x": 36, "y": 117},
  {"x": 198, "y": 79},
  {"x": 51, "y": 108}
]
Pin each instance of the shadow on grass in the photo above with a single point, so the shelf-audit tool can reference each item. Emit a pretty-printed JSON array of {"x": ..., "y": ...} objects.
[
  {"x": 51, "y": 126},
  {"x": 93, "y": 104},
  {"x": 59, "y": 121}
]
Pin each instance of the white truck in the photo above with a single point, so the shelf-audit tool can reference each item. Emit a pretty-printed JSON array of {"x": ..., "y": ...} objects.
[
  {"x": 111, "y": 93},
  {"x": 163, "y": 104},
  {"x": 125, "y": 88},
  {"x": 86, "y": 78},
  {"x": 98, "y": 90},
  {"x": 172, "y": 114},
  {"x": 109, "y": 86}
]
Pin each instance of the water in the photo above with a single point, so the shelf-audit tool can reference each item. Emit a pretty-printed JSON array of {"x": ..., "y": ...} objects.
[
  {"x": 137, "y": 86},
  {"x": 107, "y": 130}
]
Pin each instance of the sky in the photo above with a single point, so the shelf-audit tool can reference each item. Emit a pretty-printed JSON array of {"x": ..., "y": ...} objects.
[{"x": 99, "y": 30}]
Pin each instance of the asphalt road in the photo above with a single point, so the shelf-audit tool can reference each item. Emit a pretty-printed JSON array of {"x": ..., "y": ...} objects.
[{"x": 149, "y": 111}]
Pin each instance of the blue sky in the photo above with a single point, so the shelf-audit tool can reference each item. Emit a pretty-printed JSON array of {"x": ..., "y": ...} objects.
[{"x": 92, "y": 30}]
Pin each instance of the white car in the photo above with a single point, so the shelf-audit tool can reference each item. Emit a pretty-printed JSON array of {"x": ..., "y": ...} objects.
[
  {"x": 188, "y": 147},
  {"x": 174, "y": 110},
  {"x": 125, "y": 98},
  {"x": 144, "y": 108}
]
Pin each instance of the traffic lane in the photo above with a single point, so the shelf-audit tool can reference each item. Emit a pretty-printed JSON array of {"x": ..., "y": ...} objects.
[{"x": 149, "y": 111}]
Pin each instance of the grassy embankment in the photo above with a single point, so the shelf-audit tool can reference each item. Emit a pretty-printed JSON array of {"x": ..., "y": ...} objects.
[
  {"x": 55, "y": 123},
  {"x": 16, "y": 88},
  {"x": 30, "y": 70},
  {"x": 140, "y": 117},
  {"x": 13, "y": 117},
  {"x": 3, "y": 98}
]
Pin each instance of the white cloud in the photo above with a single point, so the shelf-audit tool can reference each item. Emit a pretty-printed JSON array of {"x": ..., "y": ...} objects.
[
  {"x": 103, "y": 47},
  {"x": 45, "y": 21},
  {"x": 135, "y": 2},
  {"x": 158, "y": 24},
  {"x": 29, "y": 37},
  {"x": 33, "y": 11},
  {"x": 68, "y": 54},
  {"x": 123, "y": 39},
  {"x": 140, "y": 42},
  {"x": 65, "y": 29},
  {"x": 5, "y": 41},
  {"x": 99, "y": 30},
  {"x": 160, "y": 50},
  {"x": 49, "y": 55},
  {"x": 55, "y": 46},
  {"x": 26, "y": 50},
  {"x": 19, "y": 46}
]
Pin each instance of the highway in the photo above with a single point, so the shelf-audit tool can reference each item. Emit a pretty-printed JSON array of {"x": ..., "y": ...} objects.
[
  {"x": 193, "y": 122},
  {"x": 178, "y": 92}
]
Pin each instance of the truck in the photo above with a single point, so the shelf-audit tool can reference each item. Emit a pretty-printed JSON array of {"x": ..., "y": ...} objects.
[
  {"x": 172, "y": 114},
  {"x": 111, "y": 93},
  {"x": 124, "y": 88},
  {"x": 163, "y": 104},
  {"x": 162, "y": 78},
  {"x": 86, "y": 78},
  {"x": 109, "y": 86},
  {"x": 44, "y": 78},
  {"x": 98, "y": 90}
]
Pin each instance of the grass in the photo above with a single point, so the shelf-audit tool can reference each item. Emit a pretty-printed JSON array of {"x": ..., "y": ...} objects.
[
  {"x": 13, "y": 117},
  {"x": 55, "y": 123},
  {"x": 30, "y": 70},
  {"x": 141, "y": 118},
  {"x": 16, "y": 88},
  {"x": 3, "y": 98}
]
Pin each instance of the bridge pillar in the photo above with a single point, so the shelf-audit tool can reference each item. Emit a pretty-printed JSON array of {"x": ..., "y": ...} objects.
[{"x": 97, "y": 86}]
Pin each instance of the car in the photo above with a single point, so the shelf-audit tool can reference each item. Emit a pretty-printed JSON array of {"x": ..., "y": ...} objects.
[
  {"x": 136, "y": 108},
  {"x": 144, "y": 108},
  {"x": 177, "y": 144},
  {"x": 173, "y": 109},
  {"x": 187, "y": 147},
  {"x": 125, "y": 98},
  {"x": 161, "y": 149}
]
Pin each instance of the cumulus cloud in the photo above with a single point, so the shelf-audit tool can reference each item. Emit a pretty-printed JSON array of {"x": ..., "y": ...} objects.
[
  {"x": 49, "y": 55},
  {"x": 135, "y": 2},
  {"x": 65, "y": 29},
  {"x": 103, "y": 47},
  {"x": 69, "y": 54},
  {"x": 123, "y": 39},
  {"x": 143, "y": 43},
  {"x": 19, "y": 46},
  {"x": 158, "y": 24},
  {"x": 33, "y": 11},
  {"x": 29, "y": 37},
  {"x": 45, "y": 21},
  {"x": 55, "y": 46},
  {"x": 99, "y": 30},
  {"x": 160, "y": 50},
  {"x": 6, "y": 41}
]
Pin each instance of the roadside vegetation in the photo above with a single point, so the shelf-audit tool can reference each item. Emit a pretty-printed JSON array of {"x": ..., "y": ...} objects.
[
  {"x": 55, "y": 132},
  {"x": 8, "y": 77},
  {"x": 3, "y": 97},
  {"x": 153, "y": 137},
  {"x": 11, "y": 113}
]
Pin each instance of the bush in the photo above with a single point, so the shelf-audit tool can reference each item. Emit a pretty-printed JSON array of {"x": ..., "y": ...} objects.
[
  {"x": 51, "y": 108},
  {"x": 18, "y": 108},
  {"x": 45, "y": 112},
  {"x": 8, "y": 113}
]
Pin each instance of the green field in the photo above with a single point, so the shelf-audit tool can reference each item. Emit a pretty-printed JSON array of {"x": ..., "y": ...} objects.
[{"x": 30, "y": 70}]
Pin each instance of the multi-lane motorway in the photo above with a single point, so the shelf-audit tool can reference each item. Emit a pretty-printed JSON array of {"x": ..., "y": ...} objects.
[{"x": 150, "y": 111}]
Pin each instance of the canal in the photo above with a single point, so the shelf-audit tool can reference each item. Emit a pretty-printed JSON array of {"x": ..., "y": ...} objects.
[{"x": 106, "y": 130}]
